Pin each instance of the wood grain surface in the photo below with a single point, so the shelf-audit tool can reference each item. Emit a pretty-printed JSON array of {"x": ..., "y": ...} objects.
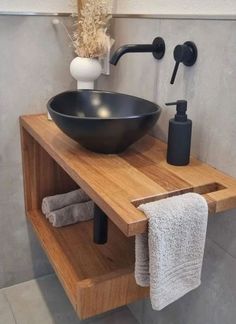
[{"x": 114, "y": 181}]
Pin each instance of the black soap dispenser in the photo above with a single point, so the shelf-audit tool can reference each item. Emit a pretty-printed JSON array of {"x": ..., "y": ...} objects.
[{"x": 179, "y": 135}]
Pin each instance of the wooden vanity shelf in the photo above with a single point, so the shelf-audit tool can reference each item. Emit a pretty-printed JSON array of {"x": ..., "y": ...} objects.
[{"x": 98, "y": 278}]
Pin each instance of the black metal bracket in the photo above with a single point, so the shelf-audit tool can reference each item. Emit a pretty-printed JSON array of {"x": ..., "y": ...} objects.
[{"x": 100, "y": 226}]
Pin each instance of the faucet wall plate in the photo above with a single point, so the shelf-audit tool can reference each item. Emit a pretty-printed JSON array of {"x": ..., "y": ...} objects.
[
  {"x": 159, "y": 48},
  {"x": 193, "y": 57}
]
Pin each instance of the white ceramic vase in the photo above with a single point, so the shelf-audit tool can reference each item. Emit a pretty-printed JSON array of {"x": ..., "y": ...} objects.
[{"x": 85, "y": 71}]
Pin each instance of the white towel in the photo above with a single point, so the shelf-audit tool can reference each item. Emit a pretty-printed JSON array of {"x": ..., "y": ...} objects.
[
  {"x": 72, "y": 214},
  {"x": 169, "y": 258},
  {"x": 56, "y": 202}
]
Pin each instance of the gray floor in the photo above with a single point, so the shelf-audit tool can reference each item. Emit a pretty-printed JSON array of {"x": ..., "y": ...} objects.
[{"x": 43, "y": 301}]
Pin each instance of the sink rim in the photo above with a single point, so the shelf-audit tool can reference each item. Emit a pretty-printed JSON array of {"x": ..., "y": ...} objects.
[{"x": 158, "y": 108}]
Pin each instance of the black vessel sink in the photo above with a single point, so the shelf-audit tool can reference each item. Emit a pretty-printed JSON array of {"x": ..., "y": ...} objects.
[{"x": 101, "y": 121}]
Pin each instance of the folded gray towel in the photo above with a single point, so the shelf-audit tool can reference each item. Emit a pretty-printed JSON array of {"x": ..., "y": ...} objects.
[
  {"x": 59, "y": 201},
  {"x": 169, "y": 257},
  {"x": 72, "y": 214}
]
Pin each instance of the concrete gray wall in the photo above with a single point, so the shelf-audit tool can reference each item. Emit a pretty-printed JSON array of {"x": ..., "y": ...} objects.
[
  {"x": 209, "y": 87},
  {"x": 173, "y": 7},
  {"x": 34, "y": 65},
  {"x": 34, "y": 61}
]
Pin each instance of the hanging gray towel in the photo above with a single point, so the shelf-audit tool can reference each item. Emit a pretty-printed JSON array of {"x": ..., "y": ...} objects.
[
  {"x": 59, "y": 201},
  {"x": 169, "y": 258}
]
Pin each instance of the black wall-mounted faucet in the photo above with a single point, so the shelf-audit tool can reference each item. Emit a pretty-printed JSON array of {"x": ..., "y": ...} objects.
[
  {"x": 157, "y": 48},
  {"x": 186, "y": 54}
]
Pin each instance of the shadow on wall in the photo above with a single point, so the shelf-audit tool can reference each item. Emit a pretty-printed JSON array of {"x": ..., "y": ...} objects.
[{"x": 34, "y": 66}]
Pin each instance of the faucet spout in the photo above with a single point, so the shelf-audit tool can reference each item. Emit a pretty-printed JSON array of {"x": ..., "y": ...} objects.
[
  {"x": 130, "y": 48},
  {"x": 157, "y": 48}
]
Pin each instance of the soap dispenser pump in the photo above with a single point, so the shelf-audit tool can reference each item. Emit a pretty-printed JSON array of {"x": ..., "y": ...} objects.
[{"x": 179, "y": 135}]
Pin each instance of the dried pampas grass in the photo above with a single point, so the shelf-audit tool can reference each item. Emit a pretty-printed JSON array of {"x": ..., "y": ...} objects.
[{"x": 90, "y": 38}]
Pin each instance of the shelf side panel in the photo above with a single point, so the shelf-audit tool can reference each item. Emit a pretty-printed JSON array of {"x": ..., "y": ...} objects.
[{"x": 42, "y": 175}]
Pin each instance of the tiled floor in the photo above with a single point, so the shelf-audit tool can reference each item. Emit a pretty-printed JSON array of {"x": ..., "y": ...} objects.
[{"x": 43, "y": 301}]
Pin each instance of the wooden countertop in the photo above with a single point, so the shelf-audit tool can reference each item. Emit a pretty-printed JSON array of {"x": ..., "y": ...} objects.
[{"x": 118, "y": 183}]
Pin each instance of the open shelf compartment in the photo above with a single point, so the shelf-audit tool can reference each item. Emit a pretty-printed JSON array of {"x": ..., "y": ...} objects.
[{"x": 96, "y": 278}]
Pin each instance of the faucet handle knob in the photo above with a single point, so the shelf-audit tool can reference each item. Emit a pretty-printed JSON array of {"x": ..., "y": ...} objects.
[{"x": 186, "y": 54}]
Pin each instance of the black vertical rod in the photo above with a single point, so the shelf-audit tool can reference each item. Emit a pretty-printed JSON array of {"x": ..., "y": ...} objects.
[{"x": 100, "y": 226}]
